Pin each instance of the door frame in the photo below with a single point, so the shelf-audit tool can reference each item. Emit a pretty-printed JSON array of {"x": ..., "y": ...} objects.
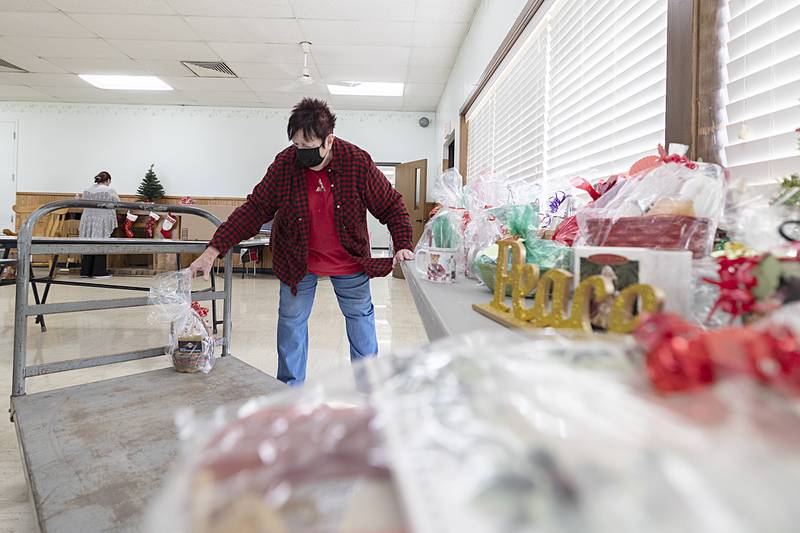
[{"x": 14, "y": 169}]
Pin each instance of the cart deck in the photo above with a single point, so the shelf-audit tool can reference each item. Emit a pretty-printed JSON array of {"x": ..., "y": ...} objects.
[{"x": 96, "y": 454}]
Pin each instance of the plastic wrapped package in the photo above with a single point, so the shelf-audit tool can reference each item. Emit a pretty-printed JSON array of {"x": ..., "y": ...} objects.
[
  {"x": 521, "y": 221},
  {"x": 754, "y": 218},
  {"x": 486, "y": 192},
  {"x": 483, "y": 231},
  {"x": 449, "y": 189},
  {"x": 191, "y": 340},
  {"x": 491, "y": 433},
  {"x": 673, "y": 206},
  {"x": 308, "y": 459}
]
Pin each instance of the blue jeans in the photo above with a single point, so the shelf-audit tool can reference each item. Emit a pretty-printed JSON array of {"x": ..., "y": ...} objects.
[{"x": 355, "y": 302}]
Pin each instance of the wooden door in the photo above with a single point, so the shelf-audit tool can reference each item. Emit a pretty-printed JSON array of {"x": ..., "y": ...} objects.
[{"x": 411, "y": 180}]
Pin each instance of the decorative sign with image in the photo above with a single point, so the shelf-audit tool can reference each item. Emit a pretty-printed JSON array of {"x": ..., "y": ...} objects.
[{"x": 554, "y": 306}]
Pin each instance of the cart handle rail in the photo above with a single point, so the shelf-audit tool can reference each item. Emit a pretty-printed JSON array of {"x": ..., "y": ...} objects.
[{"x": 23, "y": 310}]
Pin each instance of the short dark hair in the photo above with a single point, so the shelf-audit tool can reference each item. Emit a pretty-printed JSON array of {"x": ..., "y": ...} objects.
[
  {"x": 313, "y": 117},
  {"x": 102, "y": 177}
]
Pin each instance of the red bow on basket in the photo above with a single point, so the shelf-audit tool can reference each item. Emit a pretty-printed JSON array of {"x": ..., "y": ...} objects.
[
  {"x": 675, "y": 158},
  {"x": 202, "y": 312},
  {"x": 736, "y": 282},
  {"x": 681, "y": 356}
]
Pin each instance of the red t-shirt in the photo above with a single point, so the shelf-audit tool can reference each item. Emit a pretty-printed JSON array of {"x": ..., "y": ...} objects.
[{"x": 326, "y": 255}]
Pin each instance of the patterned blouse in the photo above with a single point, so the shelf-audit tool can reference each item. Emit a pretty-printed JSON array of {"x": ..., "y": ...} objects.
[{"x": 98, "y": 223}]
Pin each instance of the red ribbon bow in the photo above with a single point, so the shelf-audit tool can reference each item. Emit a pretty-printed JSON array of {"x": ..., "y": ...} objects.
[
  {"x": 681, "y": 356},
  {"x": 675, "y": 158},
  {"x": 202, "y": 312},
  {"x": 736, "y": 282}
]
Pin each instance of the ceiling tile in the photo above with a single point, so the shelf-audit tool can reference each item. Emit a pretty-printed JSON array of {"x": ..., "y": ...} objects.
[
  {"x": 42, "y": 80},
  {"x": 394, "y": 10},
  {"x": 207, "y": 84},
  {"x": 32, "y": 63},
  {"x": 25, "y": 5},
  {"x": 234, "y": 8},
  {"x": 281, "y": 100},
  {"x": 57, "y": 47},
  {"x": 361, "y": 73},
  {"x": 141, "y": 27},
  {"x": 366, "y": 102},
  {"x": 8, "y": 92},
  {"x": 178, "y": 50},
  {"x": 273, "y": 71},
  {"x": 244, "y": 30},
  {"x": 424, "y": 89},
  {"x": 131, "y": 7},
  {"x": 432, "y": 57},
  {"x": 164, "y": 68},
  {"x": 349, "y": 32},
  {"x": 428, "y": 74},
  {"x": 284, "y": 86},
  {"x": 101, "y": 66},
  {"x": 41, "y": 25},
  {"x": 224, "y": 97},
  {"x": 439, "y": 34},
  {"x": 264, "y": 53},
  {"x": 156, "y": 97},
  {"x": 420, "y": 103},
  {"x": 449, "y": 10},
  {"x": 361, "y": 55}
]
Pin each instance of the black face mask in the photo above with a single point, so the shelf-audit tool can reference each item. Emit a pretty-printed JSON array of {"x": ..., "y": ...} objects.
[{"x": 309, "y": 157}]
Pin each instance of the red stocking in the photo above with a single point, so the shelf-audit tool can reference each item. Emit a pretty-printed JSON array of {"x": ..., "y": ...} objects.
[
  {"x": 150, "y": 227},
  {"x": 167, "y": 226},
  {"x": 130, "y": 218}
]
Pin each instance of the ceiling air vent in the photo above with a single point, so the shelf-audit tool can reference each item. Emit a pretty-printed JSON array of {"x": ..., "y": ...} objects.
[
  {"x": 5, "y": 66},
  {"x": 210, "y": 69}
]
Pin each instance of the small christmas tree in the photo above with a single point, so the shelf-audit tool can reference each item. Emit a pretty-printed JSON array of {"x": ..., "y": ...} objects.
[{"x": 150, "y": 189}]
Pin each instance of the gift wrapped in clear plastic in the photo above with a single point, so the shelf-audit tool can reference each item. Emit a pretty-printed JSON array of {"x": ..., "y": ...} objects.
[
  {"x": 676, "y": 205},
  {"x": 191, "y": 339},
  {"x": 491, "y": 433}
]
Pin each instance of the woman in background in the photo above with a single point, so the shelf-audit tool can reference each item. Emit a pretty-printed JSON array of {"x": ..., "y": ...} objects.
[{"x": 98, "y": 224}]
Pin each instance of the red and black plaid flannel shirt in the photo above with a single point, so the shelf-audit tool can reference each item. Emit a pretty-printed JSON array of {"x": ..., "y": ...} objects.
[{"x": 357, "y": 185}]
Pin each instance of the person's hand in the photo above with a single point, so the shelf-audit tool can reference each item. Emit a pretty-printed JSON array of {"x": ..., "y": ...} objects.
[
  {"x": 402, "y": 255},
  {"x": 204, "y": 263}
]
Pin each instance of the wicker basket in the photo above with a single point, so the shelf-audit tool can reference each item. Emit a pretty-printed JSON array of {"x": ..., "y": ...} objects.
[{"x": 668, "y": 232}]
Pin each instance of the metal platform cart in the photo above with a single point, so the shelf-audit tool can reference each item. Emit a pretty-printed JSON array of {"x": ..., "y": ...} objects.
[{"x": 95, "y": 454}]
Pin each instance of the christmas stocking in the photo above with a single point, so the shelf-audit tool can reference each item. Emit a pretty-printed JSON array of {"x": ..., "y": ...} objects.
[
  {"x": 130, "y": 218},
  {"x": 167, "y": 226},
  {"x": 150, "y": 227}
]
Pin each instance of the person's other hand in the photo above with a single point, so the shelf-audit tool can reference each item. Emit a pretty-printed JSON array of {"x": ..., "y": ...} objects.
[
  {"x": 204, "y": 263},
  {"x": 402, "y": 255}
]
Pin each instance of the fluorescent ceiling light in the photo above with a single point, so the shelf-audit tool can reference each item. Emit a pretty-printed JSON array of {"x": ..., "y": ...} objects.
[
  {"x": 125, "y": 83},
  {"x": 367, "y": 88}
]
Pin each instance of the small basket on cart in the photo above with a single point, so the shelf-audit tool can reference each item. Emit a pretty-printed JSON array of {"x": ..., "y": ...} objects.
[{"x": 191, "y": 339}]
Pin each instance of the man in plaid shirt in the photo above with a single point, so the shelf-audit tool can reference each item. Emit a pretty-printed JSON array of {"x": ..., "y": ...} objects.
[{"x": 318, "y": 191}]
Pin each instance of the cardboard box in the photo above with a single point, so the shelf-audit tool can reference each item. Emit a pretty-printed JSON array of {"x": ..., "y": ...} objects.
[{"x": 669, "y": 270}]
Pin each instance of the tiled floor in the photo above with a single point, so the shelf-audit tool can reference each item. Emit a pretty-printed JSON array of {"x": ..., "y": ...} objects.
[{"x": 254, "y": 317}]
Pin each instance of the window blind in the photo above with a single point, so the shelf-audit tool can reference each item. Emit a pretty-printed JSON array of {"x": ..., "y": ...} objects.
[
  {"x": 585, "y": 95},
  {"x": 763, "y": 89}
]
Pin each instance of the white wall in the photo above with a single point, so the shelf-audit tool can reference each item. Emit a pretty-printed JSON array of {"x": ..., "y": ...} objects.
[
  {"x": 198, "y": 151},
  {"x": 492, "y": 21}
]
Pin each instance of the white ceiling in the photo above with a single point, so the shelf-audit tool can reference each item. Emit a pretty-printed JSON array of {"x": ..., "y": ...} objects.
[{"x": 413, "y": 41}]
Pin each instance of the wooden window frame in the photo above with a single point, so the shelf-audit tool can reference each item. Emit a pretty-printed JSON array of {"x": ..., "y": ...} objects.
[{"x": 683, "y": 38}]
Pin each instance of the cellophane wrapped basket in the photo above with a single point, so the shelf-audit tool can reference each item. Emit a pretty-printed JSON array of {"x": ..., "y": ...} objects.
[
  {"x": 191, "y": 339},
  {"x": 489, "y": 433},
  {"x": 675, "y": 206}
]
